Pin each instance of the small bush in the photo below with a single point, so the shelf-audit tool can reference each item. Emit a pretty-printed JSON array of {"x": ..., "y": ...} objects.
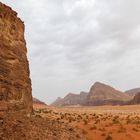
[
  {"x": 93, "y": 127},
  {"x": 103, "y": 134},
  {"x": 134, "y": 129},
  {"x": 85, "y": 122},
  {"x": 108, "y": 137},
  {"x": 84, "y": 132}
]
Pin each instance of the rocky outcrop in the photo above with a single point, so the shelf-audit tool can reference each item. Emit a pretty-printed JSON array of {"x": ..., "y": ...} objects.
[
  {"x": 132, "y": 92},
  {"x": 101, "y": 94},
  {"x": 15, "y": 84},
  {"x": 71, "y": 99}
]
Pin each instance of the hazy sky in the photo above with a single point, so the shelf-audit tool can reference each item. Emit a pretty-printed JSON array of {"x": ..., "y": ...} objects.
[{"x": 73, "y": 43}]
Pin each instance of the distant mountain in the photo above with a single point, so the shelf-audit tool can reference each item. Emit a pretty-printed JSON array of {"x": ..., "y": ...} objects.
[
  {"x": 37, "y": 101},
  {"x": 102, "y": 94},
  {"x": 57, "y": 102},
  {"x": 99, "y": 94},
  {"x": 132, "y": 92},
  {"x": 71, "y": 99}
]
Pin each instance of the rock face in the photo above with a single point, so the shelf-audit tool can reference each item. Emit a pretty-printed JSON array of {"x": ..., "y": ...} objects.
[
  {"x": 15, "y": 84},
  {"x": 71, "y": 99},
  {"x": 101, "y": 94},
  {"x": 132, "y": 92}
]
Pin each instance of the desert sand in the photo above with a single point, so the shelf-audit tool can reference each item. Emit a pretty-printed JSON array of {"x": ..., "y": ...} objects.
[{"x": 98, "y": 123}]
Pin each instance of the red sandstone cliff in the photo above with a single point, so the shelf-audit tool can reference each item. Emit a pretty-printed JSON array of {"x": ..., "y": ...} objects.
[{"x": 15, "y": 84}]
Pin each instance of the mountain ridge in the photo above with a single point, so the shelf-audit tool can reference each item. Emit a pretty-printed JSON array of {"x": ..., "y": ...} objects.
[{"x": 99, "y": 94}]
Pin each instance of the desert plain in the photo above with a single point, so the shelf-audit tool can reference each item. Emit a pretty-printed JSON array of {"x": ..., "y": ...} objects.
[{"x": 98, "y": 122}]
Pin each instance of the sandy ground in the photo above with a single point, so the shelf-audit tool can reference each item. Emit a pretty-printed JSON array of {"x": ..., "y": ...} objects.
[
  {"x": 98, "y": 123},
  {"x": 20, "y": 127}
]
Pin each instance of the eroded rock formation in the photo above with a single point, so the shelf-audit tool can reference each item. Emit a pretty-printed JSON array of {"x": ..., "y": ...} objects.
[
  {"x": 102, "y": 94},
  {"x": 15, "y": 84},
  {"x": 99, "y": 94},
  {"x": 71, "y": 99}
]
